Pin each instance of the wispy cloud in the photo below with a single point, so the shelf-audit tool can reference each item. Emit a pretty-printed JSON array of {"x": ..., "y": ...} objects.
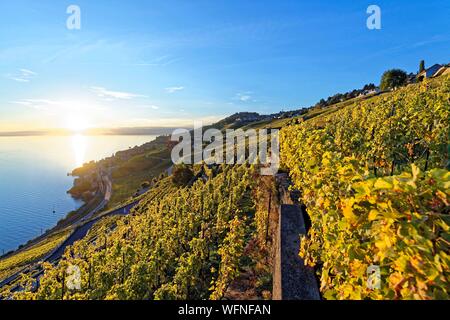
[
  {"x": 38, "y": 104},
  {"x": 219, "y": 34},
  {"x": 186, "y": 122},
  {"x": 174, "y": 89},
  {"x": 433, "y": 39},
  {"x": 162, "y": 61},
  {"x": 111, "y": 95},
  {"x": 22, "y": 75},
  {"x": 244, "y": 96},
  {"x": 81, "y": 48},
  {"x": 46, "y": 104},
  {"x": 149, "y": 106},
  {"x": 28, "y": 72},
  {"x": 406, "y": 47}
]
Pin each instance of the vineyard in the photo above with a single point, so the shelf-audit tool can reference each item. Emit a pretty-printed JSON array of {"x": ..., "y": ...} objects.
[
  {"x": 179, "y": 243},
  {"x": 372, "y": 173},
  {"x": 18, "y": 261},
  {"x": 374, "y": 177}
]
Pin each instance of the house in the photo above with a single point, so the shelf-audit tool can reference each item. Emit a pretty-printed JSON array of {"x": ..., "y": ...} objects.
[
  {"x": 433, "y": 71},
  {"x": 369, "y": 92},
  {"x": 443, "y": 70}
]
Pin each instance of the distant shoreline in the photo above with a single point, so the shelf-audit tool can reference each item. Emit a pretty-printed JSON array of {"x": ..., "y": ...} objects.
[{"x": 93, "y": 132}]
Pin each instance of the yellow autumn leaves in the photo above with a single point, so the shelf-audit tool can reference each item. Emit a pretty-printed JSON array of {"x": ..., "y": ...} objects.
[{"x": 361, "y": 172}]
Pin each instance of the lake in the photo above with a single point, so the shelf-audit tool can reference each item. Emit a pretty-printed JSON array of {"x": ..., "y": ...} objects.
[{"x": 34, "y": 181}]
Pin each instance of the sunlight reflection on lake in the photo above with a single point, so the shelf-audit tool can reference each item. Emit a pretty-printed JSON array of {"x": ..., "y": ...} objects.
[
  {"x": 34, "y": 180},
  {"x": 79, "y": 146}
]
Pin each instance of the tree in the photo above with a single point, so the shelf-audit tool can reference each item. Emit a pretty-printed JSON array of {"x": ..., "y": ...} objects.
[
  {"x": 422, "y": 66},
  {"x": 369, "y": 86},
  {"x": 182, "y": 175},
  {"x": 321, "y": 103},
  {"x": 393, "y": 78}
]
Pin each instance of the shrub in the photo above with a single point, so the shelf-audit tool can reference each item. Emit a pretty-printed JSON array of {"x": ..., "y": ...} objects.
[{"x": 182, "y": 175}]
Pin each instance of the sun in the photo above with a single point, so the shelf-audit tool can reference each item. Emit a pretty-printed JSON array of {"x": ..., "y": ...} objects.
[{"x": 76, "y": 123}]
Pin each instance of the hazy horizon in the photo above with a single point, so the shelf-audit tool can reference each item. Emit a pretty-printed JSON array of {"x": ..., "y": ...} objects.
[{"x": 93, "y": 131}]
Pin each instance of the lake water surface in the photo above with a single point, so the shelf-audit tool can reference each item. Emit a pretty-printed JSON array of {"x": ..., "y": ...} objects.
[{"x": 34, "y": 181}]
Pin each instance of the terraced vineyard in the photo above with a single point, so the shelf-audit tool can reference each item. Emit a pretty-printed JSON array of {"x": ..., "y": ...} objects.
[
  {"x": 179, "y": 243},
  {"x": 16, "y": 262},
  {"x": 373, "y": 174},
  {"x": 374, "y": 177}
]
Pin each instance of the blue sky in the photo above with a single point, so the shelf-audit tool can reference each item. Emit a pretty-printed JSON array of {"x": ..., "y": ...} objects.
[{"x": 167, "y": 63}]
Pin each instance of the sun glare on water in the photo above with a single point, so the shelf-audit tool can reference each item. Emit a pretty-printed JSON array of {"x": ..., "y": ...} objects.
[
  {"x": 77, "y": 125},
  {"x": 79, "y": 146}
]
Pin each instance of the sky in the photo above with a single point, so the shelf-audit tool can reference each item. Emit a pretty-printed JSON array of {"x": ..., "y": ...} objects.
[{"x": 168, "y": 63}]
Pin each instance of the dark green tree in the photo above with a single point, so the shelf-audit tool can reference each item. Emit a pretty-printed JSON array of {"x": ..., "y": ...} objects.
[
  {"x": 422, "y": 66},
  {"x": 392, "y": 79}
]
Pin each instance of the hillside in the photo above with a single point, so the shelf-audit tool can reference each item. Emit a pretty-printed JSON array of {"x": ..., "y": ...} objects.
[
  {"x": 374, "y": 177},
  {"x": 178, "y": 244},
  {"x": 372, "y": 173}
]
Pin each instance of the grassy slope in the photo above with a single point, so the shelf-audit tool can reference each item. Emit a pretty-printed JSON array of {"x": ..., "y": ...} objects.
[{"x": 129, "y": 175}]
